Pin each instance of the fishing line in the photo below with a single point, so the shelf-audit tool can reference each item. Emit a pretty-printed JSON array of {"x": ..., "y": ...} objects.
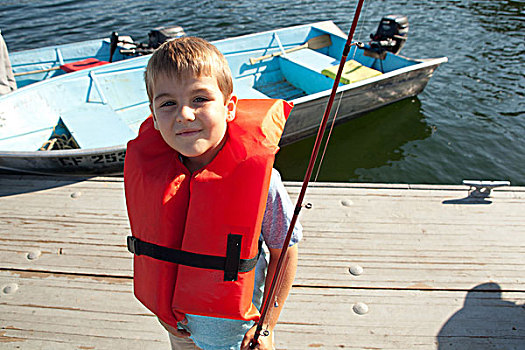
[
  {"x": 328, "y": 138},
  {"x": 360, "y": 31}
]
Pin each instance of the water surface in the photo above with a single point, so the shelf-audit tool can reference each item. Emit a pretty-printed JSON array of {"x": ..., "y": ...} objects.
[{"x": 467, "y": 124}]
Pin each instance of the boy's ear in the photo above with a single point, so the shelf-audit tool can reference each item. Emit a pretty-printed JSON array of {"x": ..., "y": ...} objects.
[
  {"x": 155, "y": 125},
  {"x": 231, "y": 105}
]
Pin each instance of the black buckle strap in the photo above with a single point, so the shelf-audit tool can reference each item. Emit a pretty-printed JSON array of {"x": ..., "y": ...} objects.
[
  {"x": 232, "y": 265},
  {"x": 233, "y": 257}
]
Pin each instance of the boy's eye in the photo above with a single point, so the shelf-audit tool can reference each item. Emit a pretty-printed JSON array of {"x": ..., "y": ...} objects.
[
  {"x": 200, "y": 99},
  {"x": 167, "y": 104}
]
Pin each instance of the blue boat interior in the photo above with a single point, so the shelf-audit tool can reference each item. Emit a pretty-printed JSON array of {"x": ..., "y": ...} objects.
[
  {"x": 101, "y": 108},
  {"x": 105, "y": 106},
  {"x": 47, "y": 58},
  {"x": 299, "y": 73}
]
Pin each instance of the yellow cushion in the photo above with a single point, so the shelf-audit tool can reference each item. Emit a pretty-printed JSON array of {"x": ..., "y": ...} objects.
[{"x": 353, "y": 71}]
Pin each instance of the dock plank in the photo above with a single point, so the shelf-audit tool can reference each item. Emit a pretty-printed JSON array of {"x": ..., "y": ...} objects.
[
  {"x": 50, "y": 311},
  {"x": 101, "y": 313},
  {"x": 439, "y": 270},
  {"x": 401, "y": 237}
]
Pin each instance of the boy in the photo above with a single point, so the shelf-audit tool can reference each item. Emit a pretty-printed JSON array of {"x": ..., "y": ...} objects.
[{"x": 200, "y": 171}]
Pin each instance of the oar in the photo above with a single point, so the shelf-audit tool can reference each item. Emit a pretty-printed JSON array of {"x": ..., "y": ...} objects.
[
  {"x": 315, "y": 43},
  {"x": 36, "y": 71}
]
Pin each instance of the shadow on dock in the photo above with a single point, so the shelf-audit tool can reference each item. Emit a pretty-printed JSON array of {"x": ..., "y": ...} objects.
[
  {"x": 11, "y": 185},
  {"x": 468, "y": 200},
  {"x": 486, "y": 321}
]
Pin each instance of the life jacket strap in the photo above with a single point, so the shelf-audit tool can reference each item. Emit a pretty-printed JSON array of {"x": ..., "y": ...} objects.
[{"x": 231, "y": 264}]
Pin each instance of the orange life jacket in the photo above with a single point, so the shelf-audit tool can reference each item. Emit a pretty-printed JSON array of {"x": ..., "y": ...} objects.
[{"x": 213, "y": 214}]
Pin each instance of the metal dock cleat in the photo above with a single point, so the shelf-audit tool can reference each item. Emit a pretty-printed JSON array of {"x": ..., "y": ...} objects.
[{"x": 482, "y": 189}]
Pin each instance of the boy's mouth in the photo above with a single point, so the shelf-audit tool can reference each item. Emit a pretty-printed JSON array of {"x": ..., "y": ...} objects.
[{"x": 187, "y": 132}]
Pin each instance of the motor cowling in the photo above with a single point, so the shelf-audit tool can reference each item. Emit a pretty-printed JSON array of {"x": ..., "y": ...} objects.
[
  {"x": 160, "y": 35},
  {"x": 391, "y": 34}
]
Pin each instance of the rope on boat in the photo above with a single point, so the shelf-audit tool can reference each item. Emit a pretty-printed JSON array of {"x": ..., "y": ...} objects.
[{"x": 59, "y": 142}]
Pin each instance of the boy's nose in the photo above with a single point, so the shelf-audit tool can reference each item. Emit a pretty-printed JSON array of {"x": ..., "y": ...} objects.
[{"x": 185, "y": 114}]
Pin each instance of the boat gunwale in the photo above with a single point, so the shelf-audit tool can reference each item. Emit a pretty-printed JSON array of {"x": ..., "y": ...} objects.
[{"x": 78, "y": 152}]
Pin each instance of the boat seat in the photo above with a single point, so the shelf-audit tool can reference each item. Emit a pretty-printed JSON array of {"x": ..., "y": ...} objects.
[
  {"x": 353, "y": 71},
  {"x": 81, "y": 65},
  {"x": 95, "y": 125},
  {"x": 243, "y": 88},
  {"x": 302, "y": 68}
]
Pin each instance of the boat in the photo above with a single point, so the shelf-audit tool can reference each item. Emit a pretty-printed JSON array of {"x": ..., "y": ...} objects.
[
  {"x": 31, "y": 66},
  {"x": 79, "y": 123}
]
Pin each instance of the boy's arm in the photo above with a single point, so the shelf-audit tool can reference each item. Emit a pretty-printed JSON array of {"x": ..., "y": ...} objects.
[{"x": 287, "y": 278}]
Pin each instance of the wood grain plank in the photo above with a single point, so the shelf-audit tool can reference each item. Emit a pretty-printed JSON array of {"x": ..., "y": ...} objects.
[
  {"x": 438, "y": 271},
  {"x": 93, "y": 312},
  {"x": 398, "y": 239},
  {"x": 68, "y": 311},
  {"x": 437, "y": 246},
  {"x": 400, "y": 319}
]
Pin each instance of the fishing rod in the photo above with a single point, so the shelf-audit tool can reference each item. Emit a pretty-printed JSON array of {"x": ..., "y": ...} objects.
[{"x": 322, "y": 127}]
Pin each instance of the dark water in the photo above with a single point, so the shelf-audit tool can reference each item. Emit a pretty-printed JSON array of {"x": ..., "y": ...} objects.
[{"x": 469, "y": 123}]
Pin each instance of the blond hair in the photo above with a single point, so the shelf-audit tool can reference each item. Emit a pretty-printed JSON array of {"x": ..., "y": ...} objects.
[{"x": 188, "y": 55}]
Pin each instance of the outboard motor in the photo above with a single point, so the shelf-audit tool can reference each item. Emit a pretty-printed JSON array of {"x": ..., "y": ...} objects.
[
  {"x": 157, "y": 37},
  {"x": 160, "y": 35},
  {"x": 390, "y": 36}
]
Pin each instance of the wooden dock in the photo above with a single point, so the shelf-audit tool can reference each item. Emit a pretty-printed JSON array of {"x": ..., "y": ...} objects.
[{"x": 381, "y": 267}]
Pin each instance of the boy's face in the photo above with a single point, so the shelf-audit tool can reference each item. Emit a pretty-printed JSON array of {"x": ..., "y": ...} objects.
[{"x": 191, "y": 114}]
